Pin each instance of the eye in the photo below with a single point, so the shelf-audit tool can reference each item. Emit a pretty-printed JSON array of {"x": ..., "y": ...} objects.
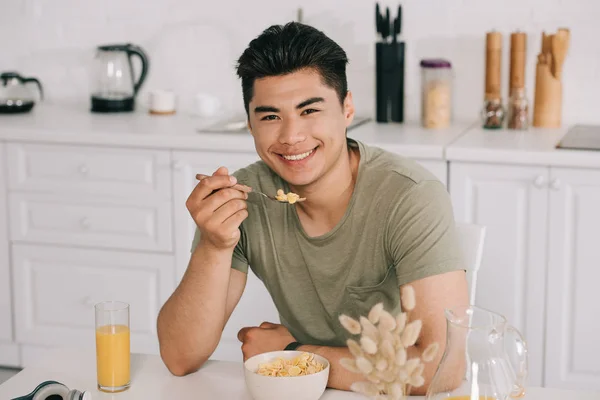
[
  {"x": 271, "y": 117},
  {"x": 309, "y": 111}
]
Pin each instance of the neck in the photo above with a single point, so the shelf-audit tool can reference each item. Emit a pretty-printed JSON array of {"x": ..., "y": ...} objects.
[{"x": 327, "y": 199}]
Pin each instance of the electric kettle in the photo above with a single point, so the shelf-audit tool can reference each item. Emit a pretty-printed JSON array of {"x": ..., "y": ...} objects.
[
  {"x": 114, "y": 86},
  {"x": 15, "y": 95}
]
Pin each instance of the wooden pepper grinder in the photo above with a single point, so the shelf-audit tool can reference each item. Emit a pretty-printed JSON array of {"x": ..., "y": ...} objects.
[
  {"x": 547, "y": 104},
  {"x": 493, "y": 111},
  {"x": 518, "y": 105}
]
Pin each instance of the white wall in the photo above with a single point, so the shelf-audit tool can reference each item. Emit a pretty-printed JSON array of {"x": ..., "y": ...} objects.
[{"x": 194, "y": 44}]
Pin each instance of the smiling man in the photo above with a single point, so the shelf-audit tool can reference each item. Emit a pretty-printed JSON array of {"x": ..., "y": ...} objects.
[{"x": 372, "y": 221}]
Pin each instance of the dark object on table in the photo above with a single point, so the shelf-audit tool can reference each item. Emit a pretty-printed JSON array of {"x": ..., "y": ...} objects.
[
  {"x": 115, "y": 88},
  {"x": 15, "y": 95},
  {"x": 389, "y": 67}
]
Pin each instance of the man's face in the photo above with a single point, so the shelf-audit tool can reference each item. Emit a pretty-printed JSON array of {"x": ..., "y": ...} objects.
[{"x": 299, "y": 125}]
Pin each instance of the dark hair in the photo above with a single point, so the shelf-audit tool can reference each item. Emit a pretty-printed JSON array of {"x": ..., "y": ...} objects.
[{"x": 283, "y": 49}]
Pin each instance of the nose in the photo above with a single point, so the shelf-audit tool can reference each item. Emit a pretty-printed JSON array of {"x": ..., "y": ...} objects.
[{"x": 291, "y": 133}]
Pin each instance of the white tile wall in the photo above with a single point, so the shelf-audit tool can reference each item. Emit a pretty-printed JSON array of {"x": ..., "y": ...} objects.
[{"x": 194, "y": 44}]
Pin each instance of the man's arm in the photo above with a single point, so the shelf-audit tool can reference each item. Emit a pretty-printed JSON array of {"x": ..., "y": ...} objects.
[
  {"x": 192, "y": 320},
  {"x": 433, "y": 294}
]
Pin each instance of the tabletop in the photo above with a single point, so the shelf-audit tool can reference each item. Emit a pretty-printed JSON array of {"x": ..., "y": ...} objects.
[{"x": 150, "y": 380}]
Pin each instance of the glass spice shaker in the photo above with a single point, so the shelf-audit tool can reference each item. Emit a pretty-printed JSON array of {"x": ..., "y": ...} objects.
[
  {"x": 518, "y": 110},
  {"x": 493, "y": 113},
  {"x": 436, "y": 93}
]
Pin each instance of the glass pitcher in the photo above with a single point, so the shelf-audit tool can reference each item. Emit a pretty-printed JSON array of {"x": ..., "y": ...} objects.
[{"x": 489, "y": 354}]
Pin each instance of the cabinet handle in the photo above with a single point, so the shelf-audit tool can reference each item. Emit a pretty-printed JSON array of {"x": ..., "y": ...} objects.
[
  {"x": 88, "y": 301},
  {"x": 555, "y": 184},
  {"x": 539, "y": 181},
  {"x": 84, "y": 169},
  {"x": 85, "y": 223}
]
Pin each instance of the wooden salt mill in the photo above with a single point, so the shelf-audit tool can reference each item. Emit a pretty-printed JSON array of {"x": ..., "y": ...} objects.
[
  {"x": 547, "y": 107},
  {"x": 518, "y": 105},
  {"x": 493, "y": 111}
]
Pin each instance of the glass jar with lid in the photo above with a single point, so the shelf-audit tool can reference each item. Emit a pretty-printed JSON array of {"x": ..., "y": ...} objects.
[{"x": 436, "y": 93}]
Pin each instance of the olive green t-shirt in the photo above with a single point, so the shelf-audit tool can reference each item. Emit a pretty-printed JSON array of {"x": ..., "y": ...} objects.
[{"x": 398, "y": 227}]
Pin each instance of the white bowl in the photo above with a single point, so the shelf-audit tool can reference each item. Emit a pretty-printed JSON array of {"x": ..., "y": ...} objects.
[{"x": 305, "y": 387}]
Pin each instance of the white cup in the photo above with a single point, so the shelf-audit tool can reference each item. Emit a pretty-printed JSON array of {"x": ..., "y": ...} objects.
[{"x": 162, "y": 102}]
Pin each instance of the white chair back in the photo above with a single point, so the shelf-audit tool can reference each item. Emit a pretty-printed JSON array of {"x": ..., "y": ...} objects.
[{"x": 472, "y": 238}]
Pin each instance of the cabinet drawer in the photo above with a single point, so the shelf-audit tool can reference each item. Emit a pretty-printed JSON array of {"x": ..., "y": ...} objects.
[
  {"x": 89, "y": 170},
  {"x": 55, "y": 290},
  {"x": 45, "y": 218}
]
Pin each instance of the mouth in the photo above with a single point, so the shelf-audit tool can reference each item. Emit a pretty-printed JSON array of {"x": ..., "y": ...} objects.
[{"x": 298, "y": 156}]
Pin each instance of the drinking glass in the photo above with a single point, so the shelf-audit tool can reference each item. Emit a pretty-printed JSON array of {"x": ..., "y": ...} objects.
[{"x": 112, "y": 346}]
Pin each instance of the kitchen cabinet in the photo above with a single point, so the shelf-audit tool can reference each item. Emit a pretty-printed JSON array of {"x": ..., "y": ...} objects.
[
  {"x": 572, "y": 323},
  {"x": 512, "y": 202},
  {"x": 55, "y": 289},
  {"x": 540, "y": 263},
  {"x": 255, "y": 305},
  {"x": 9, "y": 351}
]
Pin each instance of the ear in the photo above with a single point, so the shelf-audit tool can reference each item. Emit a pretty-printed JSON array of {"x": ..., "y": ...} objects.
[
  {"x": 348, "y": 108},
  {"x": 248, "y": 125}
]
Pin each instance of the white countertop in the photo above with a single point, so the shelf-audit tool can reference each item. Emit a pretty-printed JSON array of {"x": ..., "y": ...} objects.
[
  {"x": 535, "y": 146},
  {"x": 75, "y": 124},
  {"x": 152, "y": 381}
]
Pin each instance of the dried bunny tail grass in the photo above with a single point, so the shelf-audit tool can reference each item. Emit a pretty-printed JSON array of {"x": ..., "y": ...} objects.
[
  {"x": 411, "y": 365},
  {"x": 364, "y": 365},
  {"x": 417, "y": 381},
  {"x": 387, "y": 322},
  {"x": 350, "y": 365},
  {"x": 368, "y": 329},
  {"x": 381, "y": 364},
  {"x": 411, "y": 333},
  {"x": 400, "y": 323},
  {"x": 368, "y": 345},
  {"x": 408, "y": 298},
  {"x": 396, "y": 391},
  {"x": 430, "y": 352},
  {"x": 403, "y": 376},
  {"x": 354, "y": 348},
  {"x": 418, "y": 371},
  {"x": 401, "y": 357},
  {"x": 366, "y": 388},
  {"x": 375, "y": 313},
  {"x": 350, "y": 324},
  {"x": 387, "y": 350}
]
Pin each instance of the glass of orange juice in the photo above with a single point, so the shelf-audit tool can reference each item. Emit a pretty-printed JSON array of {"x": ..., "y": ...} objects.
[{"x": 112, "y": 346}]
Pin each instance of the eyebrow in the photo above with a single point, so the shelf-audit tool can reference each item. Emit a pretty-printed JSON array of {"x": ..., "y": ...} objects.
[{"x": 307, "y": 102}]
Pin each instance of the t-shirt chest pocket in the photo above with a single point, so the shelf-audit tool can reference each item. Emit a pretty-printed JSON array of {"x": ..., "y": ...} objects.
[{"x": 360, "y": 299}]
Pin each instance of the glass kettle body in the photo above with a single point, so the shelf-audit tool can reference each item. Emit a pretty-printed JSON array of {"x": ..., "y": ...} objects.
[
  {"x": 114, "y": 87},
  {"x": 15, "y": 93},
  {"x": 485, "y": 358}
]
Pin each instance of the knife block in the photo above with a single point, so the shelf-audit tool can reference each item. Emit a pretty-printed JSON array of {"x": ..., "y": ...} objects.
[
  {"x": 547, "y": 108},
  {"x": 389, "y": 85}
]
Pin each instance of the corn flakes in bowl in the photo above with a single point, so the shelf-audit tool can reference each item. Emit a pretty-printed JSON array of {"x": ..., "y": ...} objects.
[{"x": 289, "y": 375}]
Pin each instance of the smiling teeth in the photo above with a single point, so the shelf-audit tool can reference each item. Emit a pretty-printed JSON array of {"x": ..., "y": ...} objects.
[{"x": 297, "y": 157}]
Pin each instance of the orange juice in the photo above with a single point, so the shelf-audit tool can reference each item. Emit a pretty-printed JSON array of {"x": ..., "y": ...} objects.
[{"x": 112, "y": 355}]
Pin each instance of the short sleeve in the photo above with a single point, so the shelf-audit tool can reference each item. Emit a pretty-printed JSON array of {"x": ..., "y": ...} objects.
[
  {"x": 239, "y": 260},
  {"x": 421, "y": 237}
]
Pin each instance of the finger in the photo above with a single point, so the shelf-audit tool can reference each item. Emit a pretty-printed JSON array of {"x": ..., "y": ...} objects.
[
  {"x": 224, "y": 203},
  {"x": 232, "y": 224},
  {"x": 268, "y": 325},
  {"x": 208, "y": 185},
  {"x": 221, "y": 171},
  {"x": 242, "y": 333},
  {"x": 238, "y": 186}
]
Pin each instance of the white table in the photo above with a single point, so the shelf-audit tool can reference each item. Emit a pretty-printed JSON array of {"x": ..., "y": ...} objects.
[{"x": 152, "y": 381}]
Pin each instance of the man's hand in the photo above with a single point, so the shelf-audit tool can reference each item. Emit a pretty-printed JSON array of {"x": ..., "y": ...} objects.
[
  {"x": 218, "y": 206},
  {"x": 264, "y": 338}
]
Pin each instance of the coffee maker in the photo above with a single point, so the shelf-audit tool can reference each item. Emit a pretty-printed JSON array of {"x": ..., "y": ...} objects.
[{"x": 114, "y": 87}]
